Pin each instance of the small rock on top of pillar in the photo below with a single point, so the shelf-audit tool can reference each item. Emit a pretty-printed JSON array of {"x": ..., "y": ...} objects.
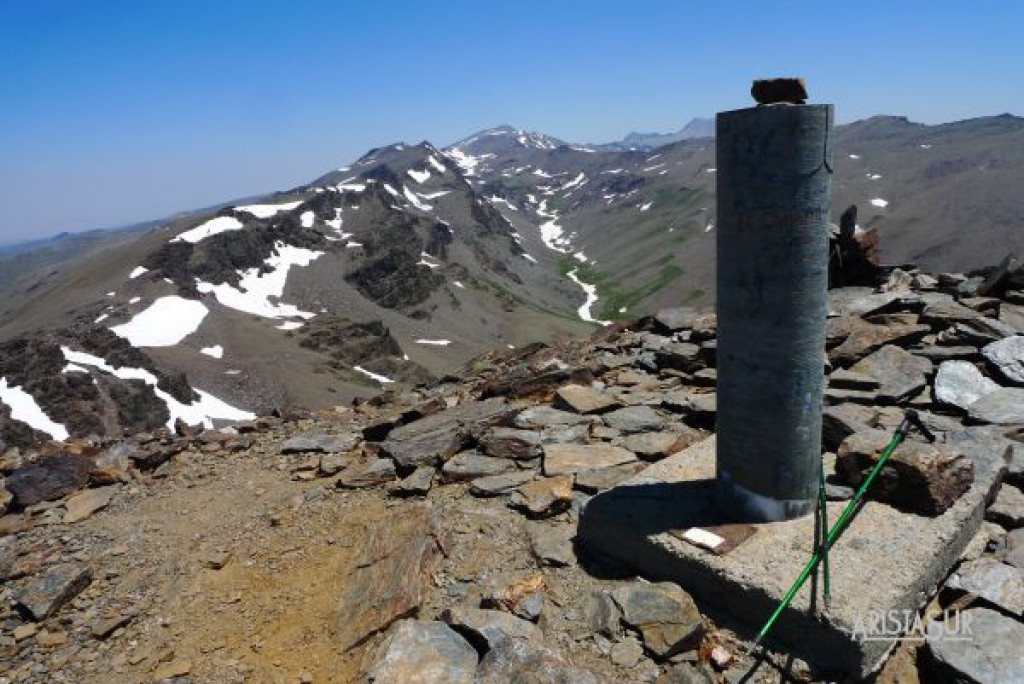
[{"x": 771, "y": 91}]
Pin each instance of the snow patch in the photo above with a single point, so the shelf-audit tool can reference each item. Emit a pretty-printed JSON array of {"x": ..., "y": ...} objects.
[
  {"x": 415, "y": 200},
  {"x": 645, "y": 207},
  {"x": 25, "y": 409},
  {"x": 289, "y": 325},
  {"x": 591, "y": 292},
  {"x": 428, "y": 261},
  {"x": 501, "y": 200},
  {"x": 436, "y": 343},
  {"x": 418, "y": 176},
  {"x": 255, "y": 288},
  {"x": 307, "y": 219},
  {"x": 370, "y": 374},
  {"x": 216, "y": 351},
  {"x": 139, "y": 270},
  {"x": 268, "y": 210},
  {"x": 880, "y": 203},
  {"x": 214, "y": 226},
  {"x": 433, "y": 161},
  {"x": 165, "y": 323}
]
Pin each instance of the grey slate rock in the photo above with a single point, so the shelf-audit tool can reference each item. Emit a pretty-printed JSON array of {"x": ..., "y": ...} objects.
[
  {"x": 960, "y": 384},
  {"x": 1005, "y": 406},
  {"x": 545, "y": 416},
  {"x": 503, "y": 442},
  {"x": 938, "y": 354},
  {"x": 848, "y": 379},
  {"x": 584, "y": 399},
  {"x": 992, "y": 580},
  {"x": 524, "y": 662},
  {"x": 664, "y": 614},
  {"x": 901, "y": 374},
  {"x": 842, "y": 420},
  {"x": 551, "y": 544},
  {"x": 599, "y": 479},
  {"x": 369, "y": 474},
  {"x": 44, "y": 595},
  {"x": 500, "y": 485},
  {"x": 1008, "y": 508},
  {"x": 431, "y": 440},
  {"x": 422, "y": 652},
  {"x": 417, "y": 483},
  {"x": 634, "y": 419},
  {"x": 470, "y": 465},
  {"x": 992, "y": 655},
  {"x": 486, "y": 628},
  {"x": 603, "y": 615},
  {"x": 1007, "y": 358},
  {"x": 566, "y": 434}
]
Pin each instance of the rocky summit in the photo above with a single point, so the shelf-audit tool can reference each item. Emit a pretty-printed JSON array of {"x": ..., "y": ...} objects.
[{"x": 430, "y": 534}]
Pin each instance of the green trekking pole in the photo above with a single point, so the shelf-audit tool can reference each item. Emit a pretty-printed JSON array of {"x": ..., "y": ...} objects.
[
  {"x": 909, "y": 421},
  {"x": 823, "y": 536}
]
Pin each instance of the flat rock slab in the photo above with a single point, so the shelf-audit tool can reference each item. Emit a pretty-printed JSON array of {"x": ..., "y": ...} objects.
[
  {"x": 565, "y": 459},
  {"x": 44, "y": 595},
  {"x": 582, "y": 399},
  {"x": 81, "y": 505},
  {"x": 636, "y": 523},
  {"x": 1003, "y": 407}
]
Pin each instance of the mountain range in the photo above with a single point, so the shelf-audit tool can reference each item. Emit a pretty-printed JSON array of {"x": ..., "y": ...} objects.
[{"x": 414, "y": 260}]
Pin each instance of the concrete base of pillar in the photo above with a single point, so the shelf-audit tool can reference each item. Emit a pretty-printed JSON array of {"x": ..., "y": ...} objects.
[{"x": 886, "y": 561}]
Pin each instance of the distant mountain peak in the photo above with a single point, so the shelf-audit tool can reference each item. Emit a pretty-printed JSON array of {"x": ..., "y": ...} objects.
[{"x": 696, "y": 128}]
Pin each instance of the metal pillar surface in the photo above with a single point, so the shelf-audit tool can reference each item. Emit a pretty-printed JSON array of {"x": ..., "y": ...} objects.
[{"x": 774, "y": 169}]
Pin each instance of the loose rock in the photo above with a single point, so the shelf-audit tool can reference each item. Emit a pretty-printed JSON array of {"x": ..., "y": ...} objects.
[
  {"x": 422, "y": 652},
  {"x": 485, "y": 628},
  {"x": 960, "y": 384},
  {"x": 43, "y": 596},
  {"x": 83, "y": 504},
  {"x": 923, "y": 478},
  {"x": 992, "y": 655},
  {"x": 544, "y": 497},
  {"x": 1007, "y": 358},
  {"x": 666, "y": 616}
]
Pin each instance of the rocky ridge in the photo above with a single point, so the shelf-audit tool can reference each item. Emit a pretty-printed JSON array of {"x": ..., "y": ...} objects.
[{"x": 427, "y": 535}]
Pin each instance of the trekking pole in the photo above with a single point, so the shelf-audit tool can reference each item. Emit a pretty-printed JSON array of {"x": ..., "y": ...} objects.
[
  {"x": 910, "y": 420},
  {"x": 823, "y": 536}
]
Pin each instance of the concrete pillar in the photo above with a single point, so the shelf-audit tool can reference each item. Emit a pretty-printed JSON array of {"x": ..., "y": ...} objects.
[{"x": 774, "y": 168}]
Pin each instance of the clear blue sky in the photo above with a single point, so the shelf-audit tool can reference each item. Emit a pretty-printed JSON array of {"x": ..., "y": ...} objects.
[{"x": 117, "y": 112}]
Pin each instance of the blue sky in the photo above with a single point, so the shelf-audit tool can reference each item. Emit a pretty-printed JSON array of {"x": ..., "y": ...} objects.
[{"x": 121, "y": 111}]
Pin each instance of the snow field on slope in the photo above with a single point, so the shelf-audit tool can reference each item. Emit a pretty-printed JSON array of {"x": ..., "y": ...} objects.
[
  {"x": 165, "y": 323},
  {"x": 207, "y": 409},
  {"x": 24, "y": 408}
]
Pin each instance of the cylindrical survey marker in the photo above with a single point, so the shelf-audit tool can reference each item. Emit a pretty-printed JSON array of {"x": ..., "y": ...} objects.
[{"x": 774, "y": 170}]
